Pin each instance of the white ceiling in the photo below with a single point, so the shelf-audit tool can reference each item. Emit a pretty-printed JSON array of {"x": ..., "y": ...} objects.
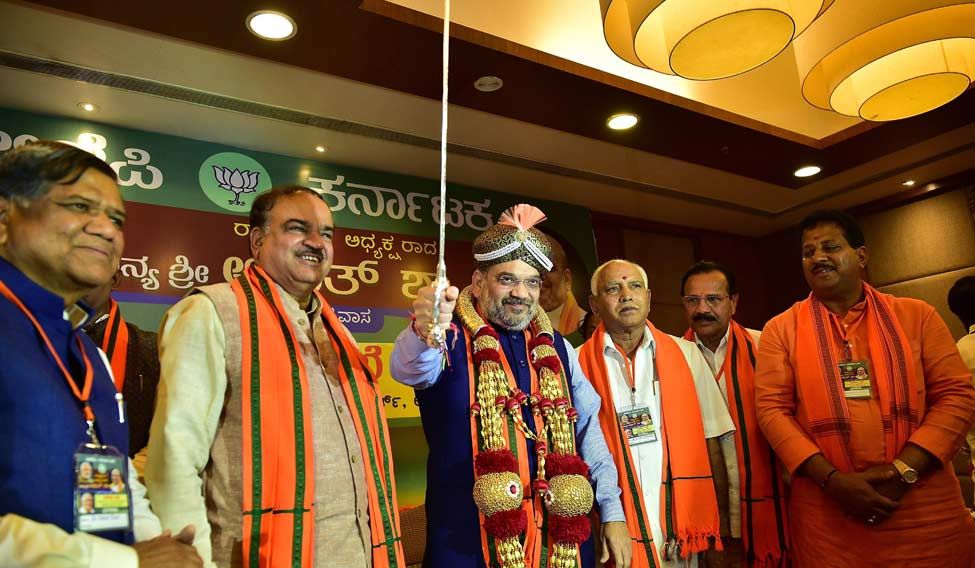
[{"x": 515, "y": 157}]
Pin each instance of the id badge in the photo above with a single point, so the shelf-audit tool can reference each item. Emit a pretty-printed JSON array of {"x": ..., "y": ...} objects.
[
  {"x": 638, "y": 425},
  {"x": 102, "y": 499},
  {"x": 856, "y": 379}
]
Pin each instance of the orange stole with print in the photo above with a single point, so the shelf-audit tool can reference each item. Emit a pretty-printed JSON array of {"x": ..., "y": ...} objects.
[
  {"x": 817, "y": 345},
  {"x": 688, "y": 505},
  {"x": 278, "y": 458},
  {"x": 764, "y": 523}
]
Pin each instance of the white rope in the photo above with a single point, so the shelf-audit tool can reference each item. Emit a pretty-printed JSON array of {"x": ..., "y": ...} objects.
[{"x": 437, "y": 335}]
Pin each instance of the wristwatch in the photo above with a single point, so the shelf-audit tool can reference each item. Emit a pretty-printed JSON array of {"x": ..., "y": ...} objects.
[{"x": 909, "y": 475}]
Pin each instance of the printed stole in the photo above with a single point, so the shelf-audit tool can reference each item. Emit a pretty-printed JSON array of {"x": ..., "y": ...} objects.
[
  {"x": 278, "y": 454},
  {"x": 536, "y": 541},
  {"x": 115, "y": 343},
  {"x": 688, "y": 505},
  {"x": 818, "y": 343},
  {"x": 764, "y": 523}
]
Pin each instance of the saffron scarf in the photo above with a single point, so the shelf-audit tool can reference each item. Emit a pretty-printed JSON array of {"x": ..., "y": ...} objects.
[
  {"x": 688, "y": 505},
  {"x": 571, "y": 317},
  {"x": 819, "y": 349},
  {"x": 763, "y": 514},
  {"x": 278, "y": 457},
  {"x": 115, "y": 343}
]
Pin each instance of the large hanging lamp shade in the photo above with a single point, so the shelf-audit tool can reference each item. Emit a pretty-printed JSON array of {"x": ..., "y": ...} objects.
[
  {"x": 883, "y": 60},
  {"x": 705, "y": 39}
]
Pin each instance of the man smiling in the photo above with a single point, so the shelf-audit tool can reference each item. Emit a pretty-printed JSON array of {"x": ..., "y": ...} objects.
[
  {"x": 502, "y": 349},
  {"x": 269, "y": 431},
  {"x": 870, "y": 484}
]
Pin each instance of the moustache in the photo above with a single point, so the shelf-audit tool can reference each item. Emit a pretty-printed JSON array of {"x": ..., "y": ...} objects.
[
  {"x": 705, "y": 317},
  {"x": 516, "y": 302},
  {"x": 823, "y": 265},
  {"x": 320, "y": 255}
]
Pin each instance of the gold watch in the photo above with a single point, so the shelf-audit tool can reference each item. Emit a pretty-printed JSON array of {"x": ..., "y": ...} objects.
[{"x": 909, "y": 475}]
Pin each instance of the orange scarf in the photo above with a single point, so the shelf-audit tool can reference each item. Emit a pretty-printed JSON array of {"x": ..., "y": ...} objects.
[
  {"x": 819, "y": 349},
  {"x": 115, "y": 343},
  {"x": 688, "y": 505},
  {"x": 278, "y": 473},
  {"x": 763, "y": 515},
  {"x": 571, "y": 317}
]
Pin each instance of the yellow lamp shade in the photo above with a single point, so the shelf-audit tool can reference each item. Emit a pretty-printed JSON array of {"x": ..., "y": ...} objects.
[
  {"x": 704, "y": 39},
  {"x": 902, "y": 62}
]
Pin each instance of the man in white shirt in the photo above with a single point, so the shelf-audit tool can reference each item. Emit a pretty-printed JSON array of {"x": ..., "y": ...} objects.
[
  {"x": 662, "y": 415},
  {"x": 756, "y": 507}
]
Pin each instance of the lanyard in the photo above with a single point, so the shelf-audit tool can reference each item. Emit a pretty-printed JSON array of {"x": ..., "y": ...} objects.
[
  {"x": 630, "y": 374},
  {"x": 839, "y": 332},
  {"x": 83, "y": 394}
]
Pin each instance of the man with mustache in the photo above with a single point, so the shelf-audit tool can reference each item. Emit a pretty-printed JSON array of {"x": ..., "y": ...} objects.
[
  {"x": 509, "y": 417},
  {"x": 669, "y": 493},
  {"x": 269, "y": 430},
  {"x": 756, "y": 496},
  {"x": 871, "y": 485}
]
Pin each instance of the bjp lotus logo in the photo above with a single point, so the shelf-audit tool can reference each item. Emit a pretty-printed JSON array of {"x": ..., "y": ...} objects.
[
  {"x": 238, "y": 174},
  {"x": 236, "y": 181}
]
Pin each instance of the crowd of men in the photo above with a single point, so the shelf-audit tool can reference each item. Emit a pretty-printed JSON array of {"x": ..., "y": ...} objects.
[{"x": 251, "y": 432}]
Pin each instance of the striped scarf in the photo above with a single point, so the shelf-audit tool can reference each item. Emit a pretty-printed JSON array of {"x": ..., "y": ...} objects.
[
  {"x": 115, "y": 344},
  {"x": 764, "y": 525},
  {"x": 278, "y": 477},
  {"x": 688, "y": 505},
  {"x": 819, "y": 349}
]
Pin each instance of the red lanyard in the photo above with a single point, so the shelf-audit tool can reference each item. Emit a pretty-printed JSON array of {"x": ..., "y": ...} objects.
[
  {"x": 85, "y": 392},
  {"x": 630, "y": 372}
]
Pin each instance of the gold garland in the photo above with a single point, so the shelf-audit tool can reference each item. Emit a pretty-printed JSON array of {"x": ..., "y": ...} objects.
[{"x": 494, "y": 395}]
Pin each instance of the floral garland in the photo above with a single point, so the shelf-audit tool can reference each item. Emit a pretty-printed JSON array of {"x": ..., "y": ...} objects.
[{"x": 563, "y": 477}]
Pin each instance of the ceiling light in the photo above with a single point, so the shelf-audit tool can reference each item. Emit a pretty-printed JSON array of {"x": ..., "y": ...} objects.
[
  {"x": 896, "y": 60},
  {"x": 622, "y": 121},
  {"x": 320, "y": 149},
  {"x": 272, "y": 25},
  {"x": 908, "y": 183},
  {"x": 807, "y": 171},
  {"x": 488, "y": 84},
  {"x": 88, "y": 107},
  {"x": 704, "y": 39}
]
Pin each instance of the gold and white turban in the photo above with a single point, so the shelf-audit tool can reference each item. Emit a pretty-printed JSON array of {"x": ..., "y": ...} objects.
[{"x": 515, "y": 237}]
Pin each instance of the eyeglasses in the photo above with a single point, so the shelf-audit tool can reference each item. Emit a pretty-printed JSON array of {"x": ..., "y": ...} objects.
[
  {"x": 711, "y": 299},
  {"x": 506, "y": 281}
]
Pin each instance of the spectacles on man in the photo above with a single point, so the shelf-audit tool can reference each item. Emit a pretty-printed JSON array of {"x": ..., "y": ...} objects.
[
  {"x": 711, "y": 299},
  {"x": 508, "y": 281}
]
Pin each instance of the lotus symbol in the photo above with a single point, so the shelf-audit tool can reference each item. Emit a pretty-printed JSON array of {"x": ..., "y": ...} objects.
[{"x": 236, "y": 181}]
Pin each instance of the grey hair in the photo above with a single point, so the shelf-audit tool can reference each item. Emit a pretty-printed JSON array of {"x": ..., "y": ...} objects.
[{"x": 595, "y": 275}]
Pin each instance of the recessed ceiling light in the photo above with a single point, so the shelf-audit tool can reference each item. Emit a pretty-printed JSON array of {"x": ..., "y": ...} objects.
[
  {"x": 272, "y": 25},
  {"x": 622, "y": 121},
  {"x": 488, "y": 84},
  {"x": 88, "y": 107},
  {"x": 807, "y": 171},
  {"x": 908, "y": 183},
  {"x": 320, "y": 149},
  {"x": 932, "y": 186}
]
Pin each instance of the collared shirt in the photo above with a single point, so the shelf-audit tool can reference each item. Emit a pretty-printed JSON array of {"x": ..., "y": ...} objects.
[
  {"x": 415, "y": 364},
  {"x": 715, "y": 361},
  {"x": 649, "y": 456}
]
